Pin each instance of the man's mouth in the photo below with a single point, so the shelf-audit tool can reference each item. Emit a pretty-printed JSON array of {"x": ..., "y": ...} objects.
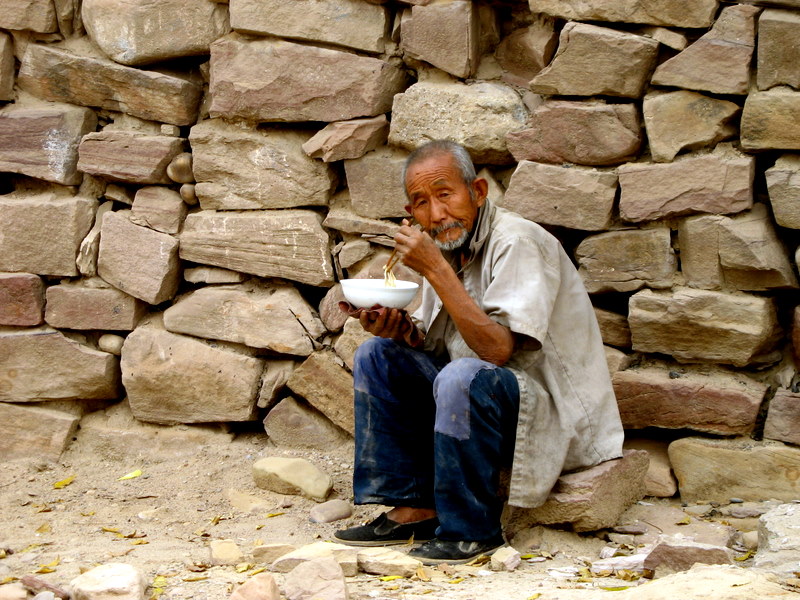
[{"x": 451, "y": 244}]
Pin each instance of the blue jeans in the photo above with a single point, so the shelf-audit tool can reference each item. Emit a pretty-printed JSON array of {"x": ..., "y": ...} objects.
[{"x": 432, "y": 434}]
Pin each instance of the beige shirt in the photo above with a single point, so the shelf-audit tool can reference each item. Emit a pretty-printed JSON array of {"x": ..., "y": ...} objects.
[{"x": 522, "y": 278}]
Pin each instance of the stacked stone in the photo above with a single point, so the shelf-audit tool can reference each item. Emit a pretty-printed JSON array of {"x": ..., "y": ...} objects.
[{"x": 186, "y": 182}]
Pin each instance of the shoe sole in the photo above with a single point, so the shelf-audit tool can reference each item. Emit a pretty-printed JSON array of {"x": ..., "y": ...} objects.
[
  {"x": 374, "y": 543},
  {"x": 454, "y": 561}
]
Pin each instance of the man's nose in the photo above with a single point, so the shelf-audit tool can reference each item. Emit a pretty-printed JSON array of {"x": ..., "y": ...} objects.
[{"x": 438, "y": 211}]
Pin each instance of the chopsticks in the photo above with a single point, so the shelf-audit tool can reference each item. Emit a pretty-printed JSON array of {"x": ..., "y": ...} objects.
[{"x": 394, "y": 256}]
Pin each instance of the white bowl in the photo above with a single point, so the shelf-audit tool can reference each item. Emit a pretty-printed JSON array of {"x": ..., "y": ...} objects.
[{"x": 366, "y": 293}]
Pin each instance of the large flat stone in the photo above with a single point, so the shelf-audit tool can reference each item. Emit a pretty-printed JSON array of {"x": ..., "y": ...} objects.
[
  {"x": 590, "y": 499},
  {"x": 327, "y": 386},
  {"x": 783, "y": 184},
  {"x": 702, "y": 325},
  {"x": 783, "y": 418},
  {"x": 269, "y": 316},
  {"x": 769, "y": 120},
  {"x": 779, "y": 545},
  {"x": 238, "y": 168},
  {"x": 777, "y": 57},
  {"x": 39, "y": 364},
  {"x": 718, "y": 62},
  {"x": 350, "y": 23},
  {"x": 137, "y": 260},
  {"x": 444, "y": 34},
  {"x": 290, "y": 244},
  {"x": 21, "y": 299},
  {"x": 478, "y": 116},
  {"x": 374, "y": 182},
  {"x": 173, "y": 378},
  {"x": 626, "y": 260},
  {"x": 295, "y": 425},
  {"x": 34, "y": 432},
  {"x": 707, "y": 400},
  {"x": 297, "y": 82},
  {"x": 92, "y": 304},
  {"x": 348, "y": 139},
  {"x": 77, "y": 77},
  {"x": 128, "y": 156},
  {"x": 578, "y": 198},
  {"x": 580, "y": 132},
  {"x": 43, "y": 231},
  {"x": 43, "y": 142},
  {"x": 137, "y": 32},
  {"x": 593, "y": 60},
  {"x": 672, "y": 13},
  {"x": 32, "y": 15},
  {"x": 710, "y": 470},
  {"x": 721, "y": 182}
]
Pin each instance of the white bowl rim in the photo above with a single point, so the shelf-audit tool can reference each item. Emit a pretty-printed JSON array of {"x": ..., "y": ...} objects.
[{"x": 371, "y": 283}]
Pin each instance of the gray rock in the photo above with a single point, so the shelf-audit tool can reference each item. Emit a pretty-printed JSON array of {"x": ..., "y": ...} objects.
[{"x": 295, "y": 476}]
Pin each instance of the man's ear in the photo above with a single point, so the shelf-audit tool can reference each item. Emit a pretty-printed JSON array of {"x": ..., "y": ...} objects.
[
  {"x": 408, "y": 209},
  {"x": 481, "y": 189}
]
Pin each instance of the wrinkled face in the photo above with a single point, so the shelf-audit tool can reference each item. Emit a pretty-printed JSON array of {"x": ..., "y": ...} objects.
[{"x": 441, "y": 202}]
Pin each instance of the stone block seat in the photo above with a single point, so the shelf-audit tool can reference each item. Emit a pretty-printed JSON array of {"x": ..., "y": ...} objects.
[{"x": 586, "y": 500}]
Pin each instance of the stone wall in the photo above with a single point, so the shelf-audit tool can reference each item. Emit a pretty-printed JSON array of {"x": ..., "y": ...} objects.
[{"x": 185, "y": 181}]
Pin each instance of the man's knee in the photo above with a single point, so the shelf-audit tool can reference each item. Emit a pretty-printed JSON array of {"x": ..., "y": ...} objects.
[{"x": 452, "y": 393}]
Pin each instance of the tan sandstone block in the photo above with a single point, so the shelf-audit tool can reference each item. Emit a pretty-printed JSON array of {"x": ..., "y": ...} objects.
[
  {"x": 444, "y": 34},
  {"x": 34, "y": 432},
  {"x": 708, "y": 400},
  {"x": 672, "y": 13},
  {"x": 627, "y": 260},
  {"x": 158, "y": 208},
  {"x": 593, "y": 60},
  {"x": 128, "y": 156},
  {"x": 39, "y": 364},
  {"x": 271, "y": 316},
  {"x": 686, "y": 120},
  {"x": 21, "y": 299},
  {"x": 350, "y": 23},
  {"x": 698, "y": 239},
  {"x": 613, "y": 328},
  {"x": 137, "y": 260},
  {"x": 295, "y": 425},
  {"x": 375, "y": 183},
  {"x": 173, "y": 378},
  {"x": 590, "y": 499},
  {"x": 721, "y": 182},
  {"x": 348, "y": 139},
  {"x": 769, "y": 120},
  {"x": 31, "y": 15},
  {"x": 7, "y": 67},
  {"x": 783, "y": 185},
  {"x": 327, "y": 386},
  {"x": 526, "y": 51},
  {"x": 136, "y": 32},
  {"x": 702, "y": 325},
  {"x": 710, "y": 470},
  {"x": 718, "y": 62},
  {"x": 783, "y": 418},
  {"x": 298, "y": 82},
  {"x": 574, "y": 197},
  {"x": 43, "y": 142},
  {"x": 92, "y": 305},
  {"x": 585, "y": 133},
  {"x": 43, "y": 231},
  {"x": 778, "y": 53},
  {"x": 290, "y": 244},
  {"x": 659, "y": 481},
  {"x": 77, "y": 76},
  {"x": 479, "y": 116},
  {"x": 246, "y": 168}
]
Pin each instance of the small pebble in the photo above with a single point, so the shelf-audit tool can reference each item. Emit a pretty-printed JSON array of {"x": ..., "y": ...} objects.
[
  {"x": 332, "y": 510},
  {"x": 736, "y": 501}
]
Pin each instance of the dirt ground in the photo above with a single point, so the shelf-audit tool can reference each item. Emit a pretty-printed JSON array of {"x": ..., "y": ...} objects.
[{"x": 196, "y": 485}]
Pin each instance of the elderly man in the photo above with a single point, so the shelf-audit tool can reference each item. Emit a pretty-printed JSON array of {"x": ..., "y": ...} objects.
[{"x": 501, "y": 365}]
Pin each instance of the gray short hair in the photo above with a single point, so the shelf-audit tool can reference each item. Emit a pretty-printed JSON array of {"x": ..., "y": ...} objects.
[{"x": 433, "y": 148}]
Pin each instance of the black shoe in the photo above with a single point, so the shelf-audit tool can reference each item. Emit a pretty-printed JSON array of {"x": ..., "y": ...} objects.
[
  {"x": 454, "y": 552},
  {"x": 385, "y": 532}
]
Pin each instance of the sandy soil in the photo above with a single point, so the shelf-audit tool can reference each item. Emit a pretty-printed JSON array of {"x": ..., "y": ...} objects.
[{"x": 163, "y": 520}]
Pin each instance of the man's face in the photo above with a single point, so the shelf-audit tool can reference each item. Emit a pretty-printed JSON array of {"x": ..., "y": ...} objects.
[{"x": 441, "y": 201}]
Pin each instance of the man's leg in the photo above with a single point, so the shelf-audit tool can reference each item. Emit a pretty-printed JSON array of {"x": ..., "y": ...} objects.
[
  {"x": 477, "y": 405},
  {"x": 394, "y": 414}
]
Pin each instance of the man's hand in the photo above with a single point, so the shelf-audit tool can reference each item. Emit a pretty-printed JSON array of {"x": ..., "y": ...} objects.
[{"x": 386, "y": 323}]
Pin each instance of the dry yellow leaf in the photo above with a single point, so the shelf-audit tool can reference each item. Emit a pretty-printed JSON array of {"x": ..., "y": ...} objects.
[
  {"x": 275, "y": 514},
  {"x": 159, "y": 581},
  {"x": 423, "y": 574},
  {"x": 44, "y": 570},
  {"x": 8, "y": 579},
  {"x": 131, "y": 475},
  {"x": 534, "y": 596},
  {"x": 390, "y": 577},
  {"x": 53, "y": 563},
  {"x": 88, "y": 514},
  {"x": 392, "y": 587},
  {"x": 456, "y": 580},
  {"x": 242, "y": 567},
  {"x": 44, "y": 528},
  {"x": 139, "y": 542},
  {"x": 744, "y": 556},
  {"x": 196, "y": 578},
  {"x": 109, "y": 529},
  {"x": 684, "y": 521},
  {"x": 257, "y": 571},
  {"x": 64, "y": 482}
]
